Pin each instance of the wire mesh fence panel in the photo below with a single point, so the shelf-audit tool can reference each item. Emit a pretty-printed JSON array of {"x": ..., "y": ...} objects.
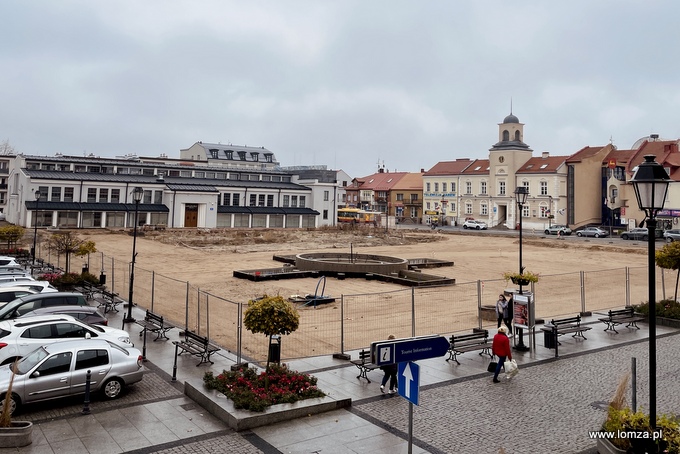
[
  {"x": 143, "y": 286},
  {"x": 372, "y": 317},
  {"x": 221, "y": 320},
  {"x": 667, "y": 281},
  {"x": 119, "y": 278},
  {"x": 639, "y": 288},
  {"x": 169, "y": 300},
  {"x": 556, "y": 295},
  {"x": 442, "y": 310},
  {"x": 318, "y": 334},
  {"x": 254, "y": 347},
  {"x": 605, "y": 289}
]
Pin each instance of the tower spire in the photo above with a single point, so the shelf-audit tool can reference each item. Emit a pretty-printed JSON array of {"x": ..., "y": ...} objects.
[{"x": 510, "y": 105}]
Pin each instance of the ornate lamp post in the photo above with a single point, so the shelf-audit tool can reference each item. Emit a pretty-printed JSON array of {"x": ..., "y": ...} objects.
[
  {"x": 650, "y": 183},
  {"x": 35, "y": 225},
  {"x": 521, "y": 194},
  {"x": 137, "y": 194}
]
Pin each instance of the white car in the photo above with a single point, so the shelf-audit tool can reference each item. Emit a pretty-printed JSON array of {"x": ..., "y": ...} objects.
[
  {"x": 474, "y": 224},
  {"x": 20, "y": 336},
  {"x": 37, "y": 286}
]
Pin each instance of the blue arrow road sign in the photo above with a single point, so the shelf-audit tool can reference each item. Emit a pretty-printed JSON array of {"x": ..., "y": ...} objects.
[
  {"x": 403, "y": 350},
  {"x": 409, "y": 381}
]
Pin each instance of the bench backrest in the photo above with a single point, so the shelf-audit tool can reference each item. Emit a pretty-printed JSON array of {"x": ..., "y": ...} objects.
[
  {"x": 195, "y": 337},
  {"x": 153, "y": 317},
  {"x": 566, "y": 321},
  {"x": 365, "y": 355},
  {"x": 626, "y": 311},
  {"x": 480, "y": 336}
]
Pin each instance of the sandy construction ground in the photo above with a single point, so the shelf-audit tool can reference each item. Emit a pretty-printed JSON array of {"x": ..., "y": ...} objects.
[{"x": 207, "y": 259}]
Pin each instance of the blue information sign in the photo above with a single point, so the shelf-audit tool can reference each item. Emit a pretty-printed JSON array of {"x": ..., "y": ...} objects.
[
  {"x": 409, "y": 381},
  {"x": 402, "y": 350}
]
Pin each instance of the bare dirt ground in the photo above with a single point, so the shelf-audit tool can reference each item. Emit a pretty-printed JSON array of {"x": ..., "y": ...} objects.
[{"x": 207, "y": 259}]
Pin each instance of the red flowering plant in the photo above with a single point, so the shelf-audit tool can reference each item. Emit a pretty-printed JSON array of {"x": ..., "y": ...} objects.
[{"x": 246, "y": 387}]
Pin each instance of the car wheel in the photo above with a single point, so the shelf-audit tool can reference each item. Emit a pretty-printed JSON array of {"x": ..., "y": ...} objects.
[
  {"x": 547, "y": 232},
  {"x": 112, "y": 388},
  {"x": 14, "y": 405},
  {"x": 465, "y": 227},
  {"x": 624, "y": 237},
  {"x": 645, "y": 238},
  {"x": 478, "y": 227},
  {"x": 669, "y": 240},
  {"x": 597, "y": 235},
  {"x": 579, "y": 234}
]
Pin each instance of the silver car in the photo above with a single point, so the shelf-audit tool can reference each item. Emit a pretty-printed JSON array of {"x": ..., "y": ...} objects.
[
  {"x": 593, "y": 231},
  {"x": 671, "y": 235},
  {"x": 60, "y": 369}
]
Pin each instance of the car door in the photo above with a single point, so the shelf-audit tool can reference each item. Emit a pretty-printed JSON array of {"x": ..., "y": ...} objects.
[
  {"x": 52, "y": 378},
  {"x": 33, "y": 337},
  {"x": 95, "y": 360}
]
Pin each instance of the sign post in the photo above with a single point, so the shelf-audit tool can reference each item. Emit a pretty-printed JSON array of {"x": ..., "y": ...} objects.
[
  {"x": 409, "y": 388},
  {"x": 410, "y": 349}
]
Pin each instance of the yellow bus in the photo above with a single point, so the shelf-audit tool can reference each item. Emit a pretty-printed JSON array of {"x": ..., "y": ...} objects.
[{"x": 358, "y": 216}]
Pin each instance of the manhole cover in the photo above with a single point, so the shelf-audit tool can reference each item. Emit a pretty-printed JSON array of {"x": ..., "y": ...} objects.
[{"x": 188, "y": 407}]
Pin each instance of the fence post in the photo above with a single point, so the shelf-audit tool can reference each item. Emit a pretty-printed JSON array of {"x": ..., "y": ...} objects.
[
  {"x": 153, "y": 288},
  {"x": 342, "y": 324},
  {"x": 583, "y": 293},
  {"x": 663, "y": 284},
  {"x": 239, "y": 332},
  {"x": 413, "y": 312},
  {"x": 627, "y": 270},
  {"x": 479, "y": 304},
  {"x": 186, "y": 308},
  {"x": 207, "y": 315}
]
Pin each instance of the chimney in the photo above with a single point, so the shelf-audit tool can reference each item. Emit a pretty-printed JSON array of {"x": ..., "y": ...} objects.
[
  {"x": 653, "y": 136},
  {"x": 422, "y": 170},
  {"x": 545, "y": 154}
]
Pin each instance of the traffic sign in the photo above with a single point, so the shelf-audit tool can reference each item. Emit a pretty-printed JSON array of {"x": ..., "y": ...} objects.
[
  {"x": 409, "y": 381},
  {"x": 411, "y": 349}
]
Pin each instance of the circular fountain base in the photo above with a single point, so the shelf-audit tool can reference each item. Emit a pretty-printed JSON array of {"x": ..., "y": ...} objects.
[{"x": 350, "y": 264}]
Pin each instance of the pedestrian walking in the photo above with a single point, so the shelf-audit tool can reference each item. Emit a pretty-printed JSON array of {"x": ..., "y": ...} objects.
[
  {"x": 503, "y": 312},
  {"x": 390, "y": 371},
  {"x": 501, "y": 348}
]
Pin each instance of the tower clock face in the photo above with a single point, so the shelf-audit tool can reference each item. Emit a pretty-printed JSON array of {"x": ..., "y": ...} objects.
[{"x": 501, "y": 159}]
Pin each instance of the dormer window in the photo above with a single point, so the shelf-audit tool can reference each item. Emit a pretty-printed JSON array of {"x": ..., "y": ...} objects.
[
  {"x": 242, "y": 155},
  {"x": 213, "y": 153},
  {"x": 268, "y": 157},
  {"x": 544, "y": 166},
  {"x": 255, "y": 156},
  {"x": 229, "y": 153}
]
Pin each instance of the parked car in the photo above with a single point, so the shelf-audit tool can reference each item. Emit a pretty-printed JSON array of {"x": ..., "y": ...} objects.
[
  {"x": 37, "y": 286},
  {"x": 86, "y": 314},
  {"x": 8, "y": 294},
  {"x": 20, "y": 336},
  {"x": 671, "y": 235},
  {"x": 60, "y": 369},
  {"x": 27, "y": 303},
  {"x": 636, "y": 234},
  {"x": 13, "y": 278},
  {"x": 9, "y": 262},
  {"x": 593, "y": 231},
  {"x": 474, "y": 224},
  {"x": 557, "y": 229}
]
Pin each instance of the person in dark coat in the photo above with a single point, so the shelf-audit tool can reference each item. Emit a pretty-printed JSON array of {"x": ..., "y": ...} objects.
[
  {"x": 390, "y": 371},
  {"x": 501, "y": 348}
]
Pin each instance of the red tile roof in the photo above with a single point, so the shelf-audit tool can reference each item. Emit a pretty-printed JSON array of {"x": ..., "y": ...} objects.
[
  {"x": 541, "y": 164},
  {"x": 477, "y": 167},
  {"x": 449, "y": 167}
]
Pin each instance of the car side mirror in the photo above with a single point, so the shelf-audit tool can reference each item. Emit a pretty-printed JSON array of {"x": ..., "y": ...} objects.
[{"x": 35, "y": 374}]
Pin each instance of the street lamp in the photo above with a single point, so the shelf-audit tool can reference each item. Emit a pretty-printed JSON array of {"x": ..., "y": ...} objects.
[
  {"x": 137, "y": 194},
  {"x": 35, "y": 225},
  {"x": 650, "y": 183},
  {"x": 521, "y": 194}
]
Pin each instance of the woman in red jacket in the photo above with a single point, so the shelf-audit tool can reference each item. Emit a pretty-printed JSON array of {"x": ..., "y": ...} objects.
[{"x": 501, "y": 348}]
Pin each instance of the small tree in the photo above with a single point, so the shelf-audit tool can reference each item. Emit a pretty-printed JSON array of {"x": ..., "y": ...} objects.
[
  {"x": 271, "y": 315},
  {"x": 668, "y": 257},
  {"x": 67, "y": 244},
  {"x": 12, "y": 234}
]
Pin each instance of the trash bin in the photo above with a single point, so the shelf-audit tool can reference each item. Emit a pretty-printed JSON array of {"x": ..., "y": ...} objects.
[
  {"x": 86, "y": 268},
  {"x": 549, "y": 340},
  {"x": 275, "y": 349},
  {"x": 102, "y": 278}
]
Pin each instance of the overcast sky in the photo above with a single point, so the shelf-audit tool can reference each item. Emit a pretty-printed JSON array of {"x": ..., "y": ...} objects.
[{"x": 344, "y": 83}]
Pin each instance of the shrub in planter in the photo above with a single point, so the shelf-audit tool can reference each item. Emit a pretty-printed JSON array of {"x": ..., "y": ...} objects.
[
  {"x": 248, "y": 390},
  {"x": 625, "y": 420},
  {"x": 664, "y": 308}
]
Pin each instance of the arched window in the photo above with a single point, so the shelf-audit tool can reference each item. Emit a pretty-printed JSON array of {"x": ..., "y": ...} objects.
[
  {"x": 506, "y": 136},
  {"x": 517, "y": 136}
]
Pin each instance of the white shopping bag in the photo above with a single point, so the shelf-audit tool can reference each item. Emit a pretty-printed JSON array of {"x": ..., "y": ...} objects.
[{"x": 511, "y": 369}]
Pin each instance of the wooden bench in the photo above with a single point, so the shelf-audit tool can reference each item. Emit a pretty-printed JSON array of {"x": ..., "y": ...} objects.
[
  {"x": 566, "y": 326},
  {"x": 88, "y": 290},
  {"x": 461, "y": 343},
  {"x": 197, "y": 345},
  {"x": 621, "y": 316},
  {"x": 109, "y": 301},
  {"x": 364, "y": 364},
  {"x": 155, "y": 324}
]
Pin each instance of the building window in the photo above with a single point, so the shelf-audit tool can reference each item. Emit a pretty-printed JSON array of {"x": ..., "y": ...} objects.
[
  {"x": 482, "y": 187},
  {"x": 436, "y": 187},
  {"x": 468, "y": 187},
  {"x": 286, "y": 200},
  {"x": 400, "y": 197},
  {"x": 302, "y": 201},
  {"x": 213, "y": 153},
  {"x": 452, "y": 207},
  {"x": 253, "y": 200},
  {"x": 91, "y": 195},
  {"x": 443, "y": 187},
  {"x": 270, "y": 200},
  {"x": 544, "y": 188},
  {"x": 103, "y": 195},
  {"x": 526, "y": 185},
  {"x": 226, "y": 199},
  {"x": 525, "y": 211},
  {"x": 158, "y": 197},
  {"x": 501, "y": 188},
  {"x": 293, "y": 201},
  {"x": 325, "y": 196},
  {"x": 414, "y": 198},
  {"x": 453, "y": 187},
  {"x": 543, "y": 211},
  {"x": 427, "y": 187},
  {"x": 56, "y": 194},
  {"x": 325, "y": 214},
  {"x": 115, "y": 195},
  {"x": 260, "y": 200},
  {"x": 468, "y": 207},
  {"x": 484, "y": 209},
  {"x": 236, "y": 200},
  {"x": 146, "y": 198}
]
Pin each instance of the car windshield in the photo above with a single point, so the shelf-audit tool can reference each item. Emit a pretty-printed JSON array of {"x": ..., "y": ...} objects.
[{"x": 29, "y": 361}]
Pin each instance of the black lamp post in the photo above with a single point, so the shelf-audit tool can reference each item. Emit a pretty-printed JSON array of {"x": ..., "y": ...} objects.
[
  {"x": 137, "y": 194},
  {"x": 521, "y": 194},
  {"x": 650, "y": 183},
  {"x": 35, "y": 225}
]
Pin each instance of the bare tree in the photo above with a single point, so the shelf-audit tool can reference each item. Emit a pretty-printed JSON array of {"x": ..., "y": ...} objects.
[
  {"x": 6, "y": 148},
  {"x": 65, "y": 243}
]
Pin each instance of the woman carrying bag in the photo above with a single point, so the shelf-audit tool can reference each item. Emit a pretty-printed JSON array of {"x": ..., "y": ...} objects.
[{"x": 501, "y": 348}]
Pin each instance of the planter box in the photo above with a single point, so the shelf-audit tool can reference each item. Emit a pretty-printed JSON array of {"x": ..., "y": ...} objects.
[
  {"x": 671, "y": 322},
  {"x": 604, "y": 446},
  {"x": 19, "y": 434}
]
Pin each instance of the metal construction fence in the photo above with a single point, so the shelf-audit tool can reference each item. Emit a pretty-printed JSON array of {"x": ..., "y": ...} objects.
[{"x": 354, "y": 321}]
